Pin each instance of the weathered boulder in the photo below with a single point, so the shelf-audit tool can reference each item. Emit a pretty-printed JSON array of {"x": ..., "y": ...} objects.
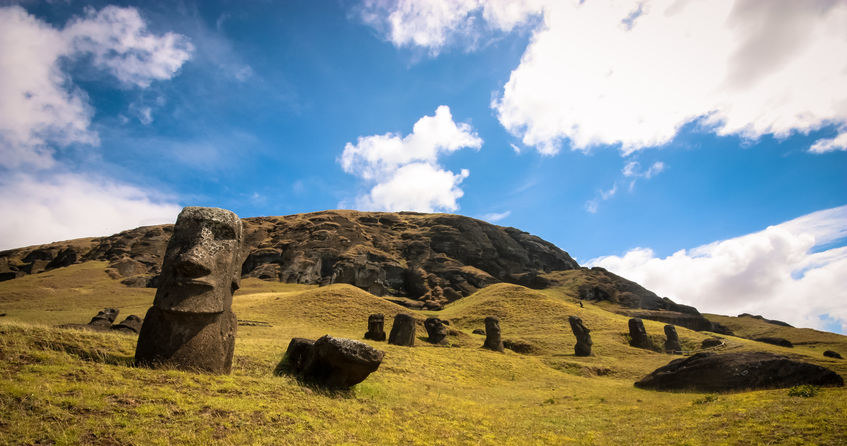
[
  {"x": 436, "y": 330},
  {"x": 478, "y": 331},
  {"x": 376, "y": 327},
  {"x": 782, "y": 342},
  {"x": 104, "y": 318},
  {"x": 583, "y": 338},
  {"x": 672, "y": 343},
  {"x": 832, "y": 354},
  {"x": 191, "y": 325},
  {"x": 711, "y": 342},
  {"x": 638, "y": 335},
  {"x": 402, "y": 330},
  {"x": 712, "y": 372},
  {"x": 492, "y": 334},
  {"x": 330, "y": 362},
  {"x": 130, "y": 325}
]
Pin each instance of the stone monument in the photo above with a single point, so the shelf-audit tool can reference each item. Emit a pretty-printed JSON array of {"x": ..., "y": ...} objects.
[
  {"x": 583, "y": 338},
  {"x": 191, "y": 325},
  {"x": 492, "y": 334}
]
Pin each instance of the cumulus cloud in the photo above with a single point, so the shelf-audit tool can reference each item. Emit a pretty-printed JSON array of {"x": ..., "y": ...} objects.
[
  {"x": 830, "y": 144},
  {"x": 633, "y": 73},
  {"x": 434, "y": 24},
  {"x": 41, "y": 107},
  {"x": 494, "y": 217},
  {"x": 66, "y": 206},
  {"x": 404, "y": 171},
  {"x": 789, "y": 271}
]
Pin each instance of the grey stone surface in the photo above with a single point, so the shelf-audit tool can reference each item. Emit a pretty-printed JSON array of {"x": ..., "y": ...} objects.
[
  {"x": 402, "y": 330},
  {"x": 191, "y": 325},
  {"x": 583, "y": 336},
  {"x": 330, "y": 361},
  {"x": 493, "y": 339}
]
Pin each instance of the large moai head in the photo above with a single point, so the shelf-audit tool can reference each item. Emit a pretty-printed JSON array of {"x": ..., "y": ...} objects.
[
  {"x": 492, "y": 334},
  {"x": 583, "y": 336},
  {"x": 202, "y": 264}
]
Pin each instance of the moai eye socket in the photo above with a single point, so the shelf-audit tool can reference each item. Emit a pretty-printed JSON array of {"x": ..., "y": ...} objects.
[{"x": 223, "y": 232}]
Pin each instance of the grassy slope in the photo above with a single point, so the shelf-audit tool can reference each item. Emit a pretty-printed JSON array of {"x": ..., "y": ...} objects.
[{"x": 68, "y": 386}]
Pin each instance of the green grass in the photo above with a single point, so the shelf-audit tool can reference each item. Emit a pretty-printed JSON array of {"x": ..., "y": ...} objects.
[{"x": 68, "y": 387}]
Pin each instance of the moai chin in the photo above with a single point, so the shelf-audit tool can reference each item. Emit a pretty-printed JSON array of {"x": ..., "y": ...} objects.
[{"x": 191, "y": 324}]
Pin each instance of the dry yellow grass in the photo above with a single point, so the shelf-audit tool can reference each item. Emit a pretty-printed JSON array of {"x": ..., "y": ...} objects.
[{"x": 68, "y": 387}]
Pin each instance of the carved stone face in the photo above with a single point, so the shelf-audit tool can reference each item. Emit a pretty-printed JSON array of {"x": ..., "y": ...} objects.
[{"x": 202, "y": 264}]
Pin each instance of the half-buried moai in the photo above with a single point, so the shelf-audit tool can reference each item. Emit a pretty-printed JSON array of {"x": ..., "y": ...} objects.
[
  {"x": 436, "y": 330},
  {"x": 402, "y": 330},
  {"x": 672, "y": 343},
  {"x": 191, "y": 325},
  {"x": 492, "y": 334},
  {"x": 104, "y": 318},
  {"x": 637, "y": 334},
  {"x": 583, "y": 338},
  {"x": 376, "y": 330}
]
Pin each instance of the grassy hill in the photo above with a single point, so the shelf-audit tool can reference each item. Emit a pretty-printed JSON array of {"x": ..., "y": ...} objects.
[{"x": 66, "y": 386}]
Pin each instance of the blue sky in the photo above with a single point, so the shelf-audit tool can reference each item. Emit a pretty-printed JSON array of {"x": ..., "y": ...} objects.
[{"x": 626, "y": 135}]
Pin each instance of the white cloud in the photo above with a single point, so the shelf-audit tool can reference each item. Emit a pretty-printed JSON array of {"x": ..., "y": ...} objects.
[
  {"x": 494, "y": 217},
  {"x": 67, "y": 206},
  {"x": 785, "y": 272},
  {"x": 41, "y": 107},
  {"x": 404, "y": 170},
  {"x": 830, "y": 144},
  {"x": 434, "y": 24},
  {"x": 633, "y": 73}
]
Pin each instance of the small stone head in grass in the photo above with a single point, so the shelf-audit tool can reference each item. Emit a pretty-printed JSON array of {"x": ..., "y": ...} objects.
[{"x": 202, "y": 264}]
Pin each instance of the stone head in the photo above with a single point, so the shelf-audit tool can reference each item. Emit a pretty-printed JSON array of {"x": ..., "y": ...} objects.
[
  {"x": 202, "y": 264},
  {"x": 492, "y": 324}
]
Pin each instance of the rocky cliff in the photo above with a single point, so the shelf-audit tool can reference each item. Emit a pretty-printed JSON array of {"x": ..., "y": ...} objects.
[{"x": 424, "y": 259}]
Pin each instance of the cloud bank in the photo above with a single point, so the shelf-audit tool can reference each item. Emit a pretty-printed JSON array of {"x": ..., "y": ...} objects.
[
  {"x": 788, "y": 271},
  {"x": 42, "y": 110},
  {"x": 403, "y": 171},
  {"x": 633, "y": 73}
]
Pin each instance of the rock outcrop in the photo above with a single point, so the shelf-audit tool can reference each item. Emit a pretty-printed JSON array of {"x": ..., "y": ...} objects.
[
  {"x": 330, "y": 362},
  {"x": 770, "y": 321},
  {"x": 430, "y": 258},
  {"x": 711, "y": 372},
  {"x": 832, "y": 354},
  {"x": 191, "y": 325}
]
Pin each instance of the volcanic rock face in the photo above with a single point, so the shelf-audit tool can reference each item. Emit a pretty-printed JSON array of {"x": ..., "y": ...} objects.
[
  {"x": 191, "y": 325},
  {"x": 782, "y": 342},
  {"x": 329, "y": 361},
  {"x": 832, "y": 354},
  {"x": 433, "y": 258},
  {"x": 711, "y": 372}
]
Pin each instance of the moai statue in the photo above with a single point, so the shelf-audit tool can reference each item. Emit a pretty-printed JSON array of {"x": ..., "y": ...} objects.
[
  {"x": 130, "y": 325},
  {"x": 637, "y": 334},
  {"x": 376, "y": 330},
  {"x": 492, "y": 334},
  {"x": 104, "y": 318},
  {"x": 403, "y": 330},
  {"x": 583, "y": 338},
  {"x": 191, "y": 325},
  {"x": 436, "y": 329},
  {"x": 672, "y": 344}
]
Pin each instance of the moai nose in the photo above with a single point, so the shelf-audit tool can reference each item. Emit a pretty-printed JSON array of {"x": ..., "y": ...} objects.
[{"x": 191, "y": 263}]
